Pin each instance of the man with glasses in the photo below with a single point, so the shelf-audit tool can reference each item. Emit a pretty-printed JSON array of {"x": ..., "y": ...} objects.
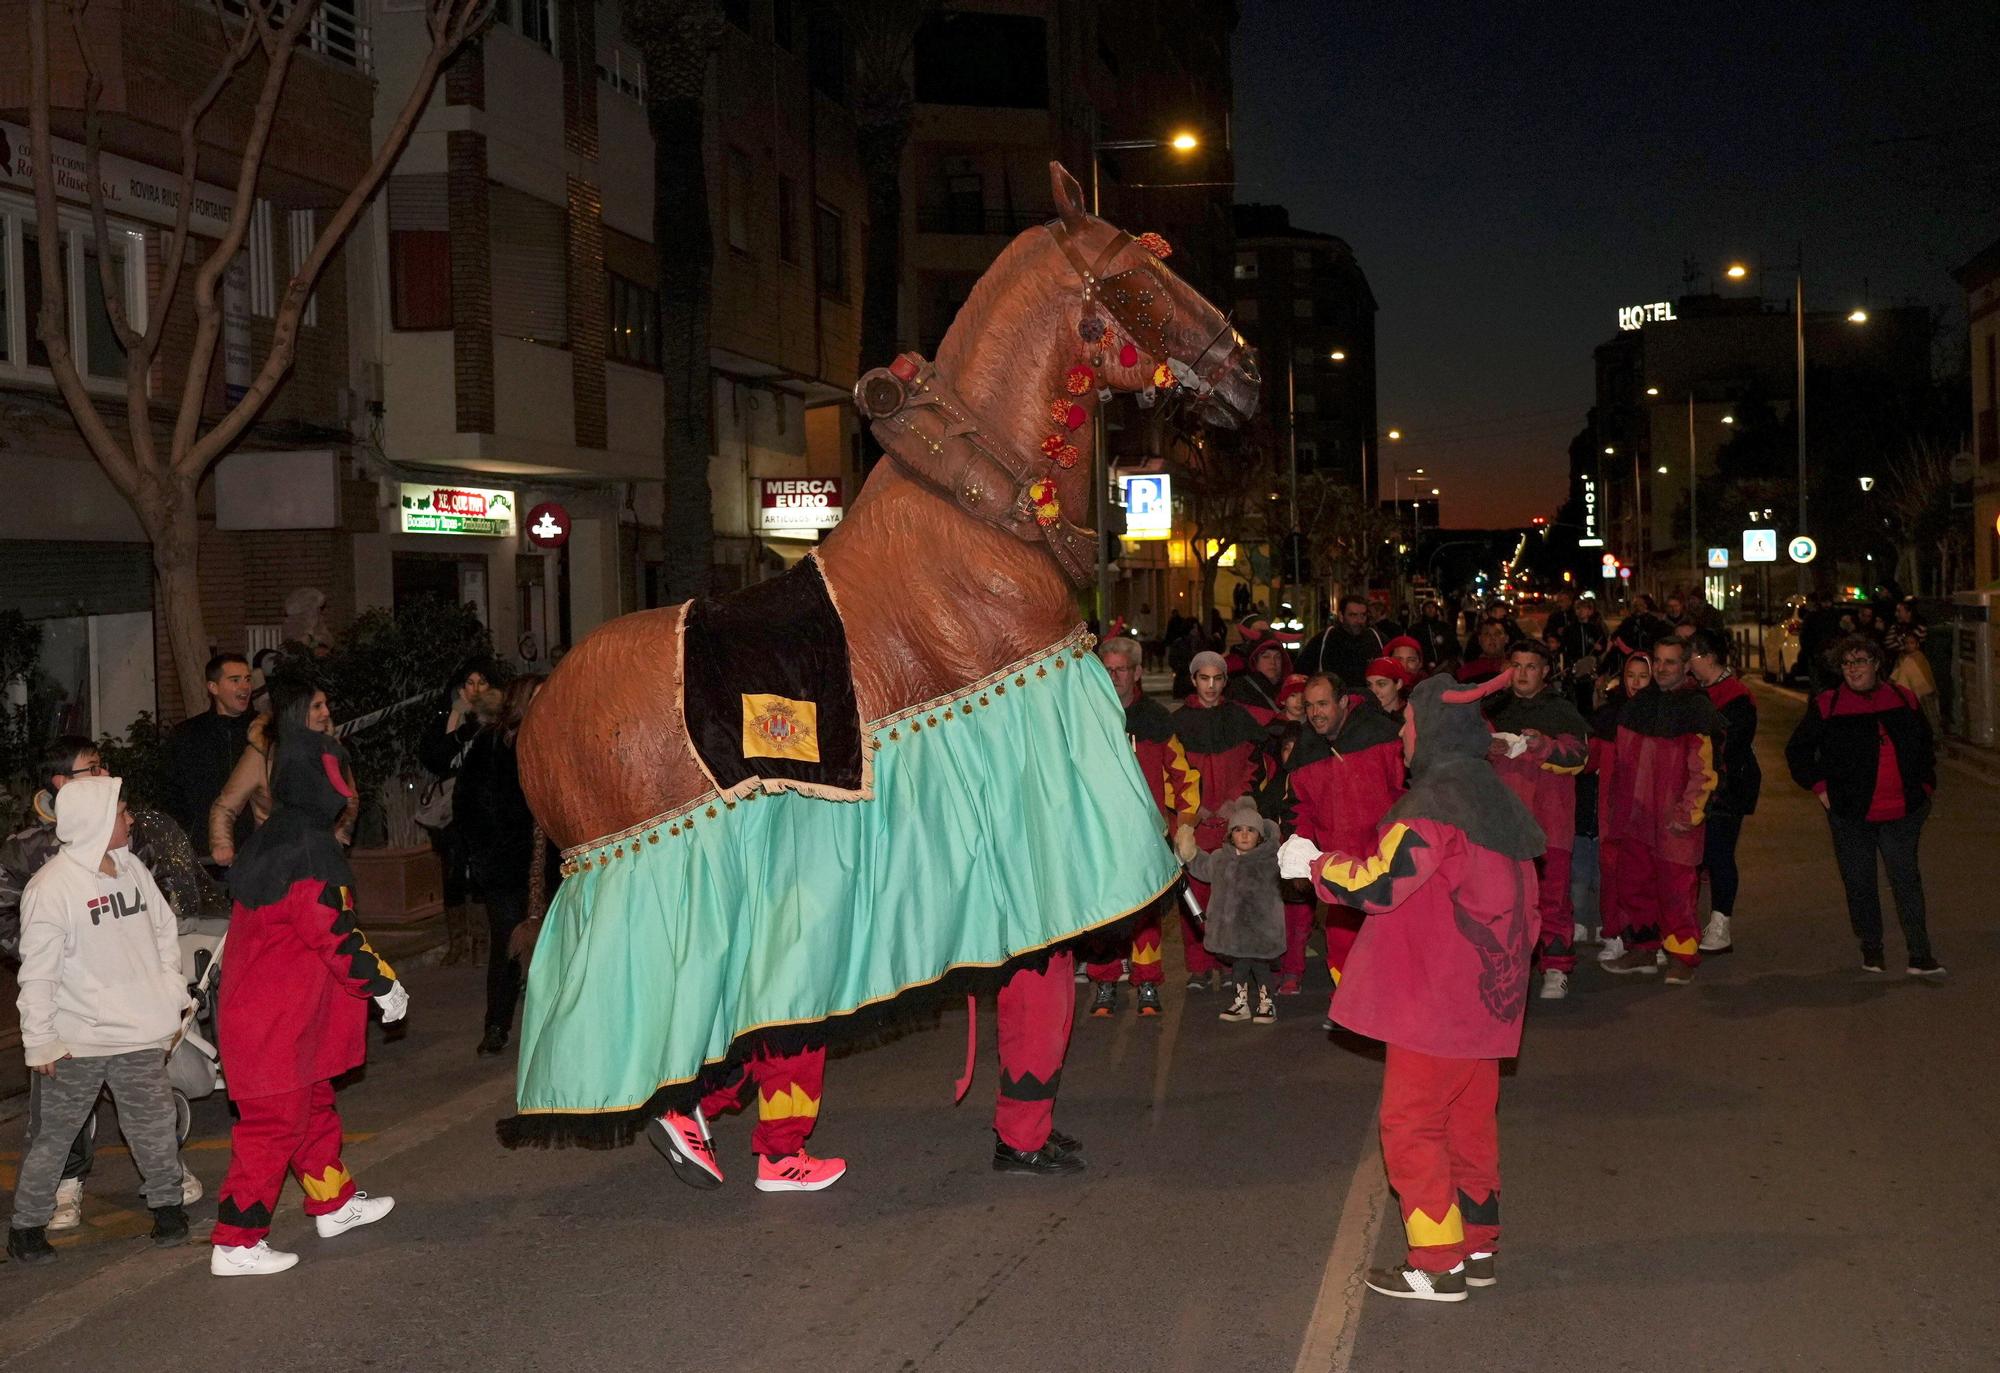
[
  {"x": 70, "y": 758},
  {"x": 1662, "y": 779},
  {"x": 1736, "y": 794},
  {"x": 1176, "y": 789}
]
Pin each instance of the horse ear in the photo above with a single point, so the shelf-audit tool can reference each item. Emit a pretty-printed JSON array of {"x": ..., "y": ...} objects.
[
  {"x": 1068, "y": 195},
  {"x": 1468, "y": 694}
]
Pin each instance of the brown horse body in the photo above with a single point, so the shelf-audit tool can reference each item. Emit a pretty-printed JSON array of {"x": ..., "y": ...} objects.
[{"x": 930, "y": 598}]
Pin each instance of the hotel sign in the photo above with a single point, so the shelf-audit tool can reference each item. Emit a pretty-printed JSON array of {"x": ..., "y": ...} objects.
[
  {"x": 1591, "y": 538},
  {"x": 1639, "y": 316},
  {"x": 432, "y": 509}
]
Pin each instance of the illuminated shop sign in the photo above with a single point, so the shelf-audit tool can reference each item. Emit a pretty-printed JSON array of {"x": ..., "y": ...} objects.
[
  {"x": 793, "y": 504},
  {"x": 1591, "y": 538},
  {"x": 1639, "y": 316},
  {"x": 432, "y": 509},
  {"x": 1149, "y": 505}
]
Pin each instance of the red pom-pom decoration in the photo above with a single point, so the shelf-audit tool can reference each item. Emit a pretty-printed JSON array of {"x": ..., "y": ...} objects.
[
  {"x": 1128, "y": 356},
  {"x": 1074, "y": 417},
  {"x": 903, "y": 369},
  {"x": 1155, "y": 245},
  {"x": 1066, "y": 457},
  {"x": 1059, "y": 410},
  {"x": 1163, "y": 376},
  {"x": 1052, "y": 445},
  {"x": 1079, "y": 379}
]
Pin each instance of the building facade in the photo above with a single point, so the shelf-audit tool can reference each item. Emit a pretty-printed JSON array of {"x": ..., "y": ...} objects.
[{"x": 1980, "y": 279}]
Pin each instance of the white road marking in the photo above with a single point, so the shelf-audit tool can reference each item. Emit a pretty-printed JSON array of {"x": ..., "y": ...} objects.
[{"x": 1328, "y": 1346}]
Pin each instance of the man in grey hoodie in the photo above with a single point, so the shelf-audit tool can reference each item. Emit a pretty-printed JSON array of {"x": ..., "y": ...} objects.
[{"x": 101, "y": 997}]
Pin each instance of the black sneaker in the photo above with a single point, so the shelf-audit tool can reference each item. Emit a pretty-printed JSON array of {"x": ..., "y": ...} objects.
[
  {"x": 494, "y": 1042},
  {"x": 30, "y": 1244},
  {"x": 1480, "y": 1270},
  {"x": 1414, "y": 1284},
  {"x": 1069, "y": 1143},
  {"x": 1871, "y": 958},
  {"x": 170, "y": 1226},
  {"x": 1925, "y": 967},
  {"x": 1051, "y": 1160},
  {"x": 1149, "y": 998},
  {"x": 1104, "y": 1000}
]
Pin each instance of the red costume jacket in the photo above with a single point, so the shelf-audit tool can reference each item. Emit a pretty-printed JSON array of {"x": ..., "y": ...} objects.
[
  {"x": 1163, "y": 762},
  {"x": 297, "y": 977},
  {"x": 1341, "y": 789},
  {"x": 1441, "y": 965},
  {"x": 1663, "y": 773},
  {"x": 1228, "y": 750},
  {"x": 1544, "y": 777}
]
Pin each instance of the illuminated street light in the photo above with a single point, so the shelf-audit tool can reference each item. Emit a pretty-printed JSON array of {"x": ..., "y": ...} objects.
[
  {"x": 1436, "y": 492},
  {"x": 1663, "y": 469},
  {"x": 1737, "y": 271},
  {"x": 1338, "y": 355},
  {"x": 1857, "y": 317},
  {"x": 1184, "y": 142},
  {"x": 1652, "y": 390},
  {"x": 1729, "y": 419},
  {"x": 1609, "y": 450},
  {"x": 1395, "y": 435}
]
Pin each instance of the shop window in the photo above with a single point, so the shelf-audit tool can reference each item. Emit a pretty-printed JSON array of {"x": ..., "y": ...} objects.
[
  {"x": 419, "y": 253},
  {"x": 634, "y": 314},
  {"x": 830, "y": 251}
]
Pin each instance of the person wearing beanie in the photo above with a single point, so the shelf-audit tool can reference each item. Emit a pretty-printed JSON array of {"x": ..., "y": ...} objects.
[
  {"x": 1442, "y": 982},
  {"x": 1228, "y": 749},
  {"x": 1246, "y": 915},
  {"x": 101, "y": 998},
  {"x": 1546, "y": 746},
  {"x": 1251, "y": 630},
  {"x": 1292, "y": 698}
]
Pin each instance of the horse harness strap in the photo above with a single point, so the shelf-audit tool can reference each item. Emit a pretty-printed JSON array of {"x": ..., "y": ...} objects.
[{"x": 932, "y": 437}]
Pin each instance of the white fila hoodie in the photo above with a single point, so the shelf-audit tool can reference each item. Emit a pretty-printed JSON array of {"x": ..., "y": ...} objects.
[{"x": 100, "y": 959}]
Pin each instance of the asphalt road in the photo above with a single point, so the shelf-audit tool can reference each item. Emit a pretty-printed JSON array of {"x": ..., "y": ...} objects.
[{"x": 1785, "y": 1165}]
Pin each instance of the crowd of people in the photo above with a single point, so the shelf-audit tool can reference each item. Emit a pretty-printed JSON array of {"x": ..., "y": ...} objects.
[{"x": 259, "y": 807}]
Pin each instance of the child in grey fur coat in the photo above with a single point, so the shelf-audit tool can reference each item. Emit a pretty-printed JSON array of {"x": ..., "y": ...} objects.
[{"x": 1246, "y": 913}]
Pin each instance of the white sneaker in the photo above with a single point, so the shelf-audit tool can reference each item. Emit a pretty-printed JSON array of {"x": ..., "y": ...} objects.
[
  {"x": 69, "y": 1205},
  {"x": 191, "y": 1190},
  {"x": 248, "y": 1260},
  {"x": 1614, "y": 948},
  {"x": 1239, "y": 1009},
  {"x": 1579, "y": 933},
  {"x": 1715, "y": 935},
  {"x": 1555, "y": 984},
  {"x": 361, "y": 1209}
]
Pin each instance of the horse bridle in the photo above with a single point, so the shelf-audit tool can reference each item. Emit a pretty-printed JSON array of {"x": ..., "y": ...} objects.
[{"x": 1138, "y": 300}]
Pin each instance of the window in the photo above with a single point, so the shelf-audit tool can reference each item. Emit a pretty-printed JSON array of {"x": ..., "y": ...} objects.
[
  {"x": 830, "y": 251},
  {"x": 1302, "y": 260},
  {"x": 530, "y": 267},
  {"x": 534, "y": 20},
  {"x": 301, "y": 232},
  {"x": 788, "y": 219},
  {"x": 623, "y": 71},
  {"x": 419, "y": 253},
  {"x": 1302, "y": 307},
  {"x": 736, "y": 198},
  {"x": 1308, "y": 452},
  {"x": 92, "y": 339},
  {"x": 1305, "y": 355},
  {"x": 263, "y": 270},
  {"x": 983, "y": 59},
  {"x": 1246, "y": 266},
  {"x": 634, "y": 314}
]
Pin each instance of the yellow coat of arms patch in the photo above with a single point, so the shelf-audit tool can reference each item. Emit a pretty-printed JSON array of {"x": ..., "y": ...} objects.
[{"x": 779, "y": 727}]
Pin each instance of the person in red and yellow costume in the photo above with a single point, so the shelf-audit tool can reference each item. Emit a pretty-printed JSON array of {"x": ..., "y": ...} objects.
[
  {"x": 1545, "y": 747},
  {"x": 1176, "y": 788},
  {"x": 1663, "y": 774},
  {"x": 292, "y": 1014},
  {"x": 1229, "y": 750},
  {"x": 1439, "y": 974}
]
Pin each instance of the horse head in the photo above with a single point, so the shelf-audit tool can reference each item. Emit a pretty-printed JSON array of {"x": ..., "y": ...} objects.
[{"x": 1155, "y": 331}]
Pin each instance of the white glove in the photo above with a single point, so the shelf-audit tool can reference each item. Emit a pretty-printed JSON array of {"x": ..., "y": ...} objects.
[
  {"x": 1517, "y": 744},
  {"x": 1296, "y": 857},
  {"x": 395, "y": 1004}
]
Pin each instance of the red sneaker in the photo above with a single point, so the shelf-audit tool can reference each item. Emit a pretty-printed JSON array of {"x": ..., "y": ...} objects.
[
  {"x": 1288, "y": 986},
  {"x": 799, "y": 1172},
  {"x": 683, "y": 1139}
]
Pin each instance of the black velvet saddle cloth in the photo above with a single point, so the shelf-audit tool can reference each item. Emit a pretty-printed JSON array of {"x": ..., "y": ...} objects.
[{"x": 769, "y": 691}]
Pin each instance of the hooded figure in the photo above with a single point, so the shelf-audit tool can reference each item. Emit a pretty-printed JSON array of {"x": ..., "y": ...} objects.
[
  {"x": 293, "y": 1009},
  {"x": 1439, "y": 973}
]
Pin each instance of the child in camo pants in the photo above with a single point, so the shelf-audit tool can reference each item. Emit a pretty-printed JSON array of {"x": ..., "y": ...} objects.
[{"x": 101, "y": 995}]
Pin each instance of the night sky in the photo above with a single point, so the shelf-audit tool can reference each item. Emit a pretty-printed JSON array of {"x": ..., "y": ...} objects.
[{"x": 1510, "y": 175}]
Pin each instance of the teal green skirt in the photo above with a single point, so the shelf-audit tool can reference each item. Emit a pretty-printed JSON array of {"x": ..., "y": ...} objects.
[{"x": 1007, "y": 818}]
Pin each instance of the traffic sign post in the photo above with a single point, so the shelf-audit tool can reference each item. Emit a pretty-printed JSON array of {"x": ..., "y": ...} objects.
[
  {"x": 1803, "y": 549},
  {"x": 1760, "y": 545}
]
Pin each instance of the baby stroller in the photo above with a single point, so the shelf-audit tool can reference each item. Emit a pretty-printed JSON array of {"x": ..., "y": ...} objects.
[{"x": 194, "y": 1066}]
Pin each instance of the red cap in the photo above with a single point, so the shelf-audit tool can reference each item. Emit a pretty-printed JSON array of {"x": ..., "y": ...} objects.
[
  {"x": 1402, "y": 641},
  {"x": 1393, "y": 670},
  {"x": 1291, "y": 687}
]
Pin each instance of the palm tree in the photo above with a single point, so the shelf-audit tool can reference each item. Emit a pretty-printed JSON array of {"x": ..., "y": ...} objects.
[{"x": 677, "y": 39}]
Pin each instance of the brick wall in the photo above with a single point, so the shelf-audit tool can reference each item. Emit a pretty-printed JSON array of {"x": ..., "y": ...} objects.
[
  {"x": 578, "y": 47},
  {"x": 471, "y": 281},
  {"x": 587, "y": 309}
]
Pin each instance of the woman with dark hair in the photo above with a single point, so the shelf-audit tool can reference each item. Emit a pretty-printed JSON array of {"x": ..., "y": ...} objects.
[
  {"x": 296, "y": 705},
  {"x": 292, "y": 1013},
  {"x": 442, "y": 751},
  {"x": 1864, "y": 748},
  {"x": 1908, "y": 664},
  {"x": 499, "y": 834}
]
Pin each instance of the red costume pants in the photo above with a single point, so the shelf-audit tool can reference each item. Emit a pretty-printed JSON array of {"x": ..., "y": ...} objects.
[
  {"x": 1656, "y": 902},
  {"x": 1558, "y": 911},
  {"x": 1610, "y": 908},
  {"x": 1144, "y": 953},
  {"x": 1343, "y": 927},
  {"x": 1298, "y": 928},
  {"x": 1037, "y": 1008},
  {"x": 1199, "y": 959},
  {"x": 788, "y": 1094},
  {"x": 292, "y": 1130},
  {"x": 1441, "y": 1147}
]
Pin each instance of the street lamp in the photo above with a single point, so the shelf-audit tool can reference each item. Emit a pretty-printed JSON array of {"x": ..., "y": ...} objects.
[
  {"x": 1100, "y": 466},
  {"x": 1395, "y": 436},
  {"x": 1338, "y": 355}
]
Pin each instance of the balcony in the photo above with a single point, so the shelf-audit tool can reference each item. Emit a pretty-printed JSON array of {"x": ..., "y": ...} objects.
[{"x": 977, "y": 219}]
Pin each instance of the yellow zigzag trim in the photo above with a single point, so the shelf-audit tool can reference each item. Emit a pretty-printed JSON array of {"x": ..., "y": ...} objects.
[
  {"x": 1679, "y": 947},
  {"x": 1425, "y": 1233},
  {"x": 790, "y": 1103},
  {"x": 327, "y": 1185}
]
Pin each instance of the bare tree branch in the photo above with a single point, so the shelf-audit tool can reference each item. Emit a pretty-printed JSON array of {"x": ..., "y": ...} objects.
[
  {"x": 53, "y": 326},
  {"x": 93, "y": 182},
  {"x": 196, "y": 457}
]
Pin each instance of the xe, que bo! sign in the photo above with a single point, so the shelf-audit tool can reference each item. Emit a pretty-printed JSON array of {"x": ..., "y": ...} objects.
[
  {"x": 791, "y": 504},
  {"x": 431, "y": 509}
]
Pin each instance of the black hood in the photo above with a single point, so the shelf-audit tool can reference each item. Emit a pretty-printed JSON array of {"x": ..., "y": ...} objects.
[
  {"x": 309, "y": 790},
  {"x": 1450, "y": 780}
]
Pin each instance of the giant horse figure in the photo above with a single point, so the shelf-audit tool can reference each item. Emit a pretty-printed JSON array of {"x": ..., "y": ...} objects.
[{"x": 896, "y": 767}]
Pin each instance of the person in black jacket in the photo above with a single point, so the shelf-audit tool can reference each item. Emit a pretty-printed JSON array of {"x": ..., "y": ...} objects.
[
  {"x": 492, "y": 816},
  {"x": 1735, "y": 797},
  {"x": 1864, "y": 748},
  {"x": 203, "y": 749},
  {"x": 1433, "y": 634},
  {"x": 442, "y": 752}
]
